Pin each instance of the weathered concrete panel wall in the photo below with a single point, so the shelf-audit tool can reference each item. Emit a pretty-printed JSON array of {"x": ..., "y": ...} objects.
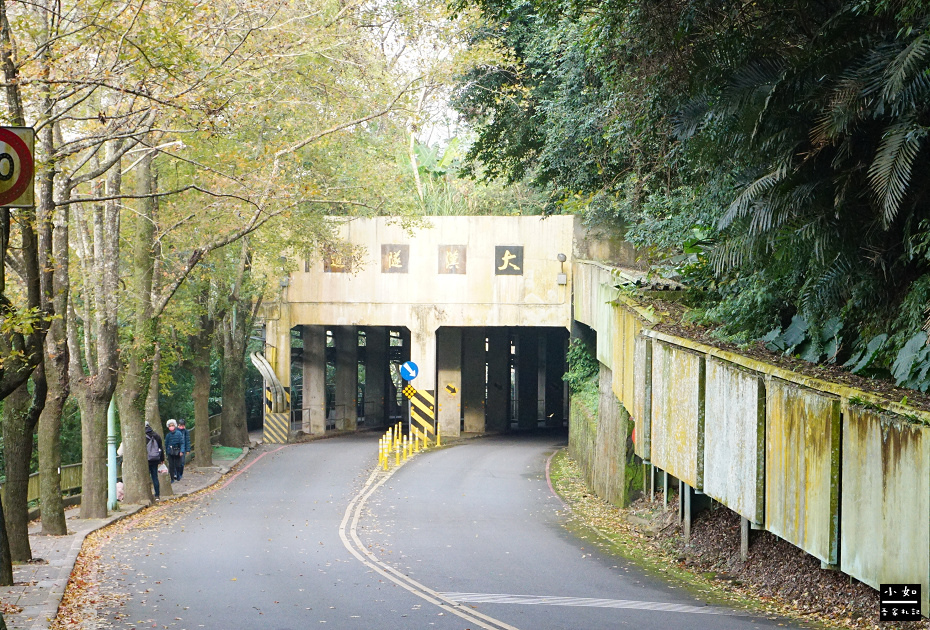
[
  {"x": 582, "y": 434},
  {"x": 599, "y": 443},
  {"x": 885, "y": 527},
  {"x": 588, "y": 298},
  {"x": 627, "y": 325},
  {"x": 802, "y": 460},
  {"x": 642, "y": 400},
  {"x": 734, "y": 439},
  {"x": 604, "y": 314},
  {"x": 676, "y": 409}
]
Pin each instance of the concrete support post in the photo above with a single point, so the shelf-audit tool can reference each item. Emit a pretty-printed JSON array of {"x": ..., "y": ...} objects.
[
  {"x": 449, "y": 385},
  {"x": 345, "y": 341},
  {"x": 556, "y": 346},
  {"x": 474, "y": 360},
  {"x": 314, "y": 383},
  {"x": 498, "y": 403},
  {"x": 743, "y": 539},
  {"x": 527, "y": 378},
  {"x": 376, "y": 375},
  {"x": 423, "y": 353}
]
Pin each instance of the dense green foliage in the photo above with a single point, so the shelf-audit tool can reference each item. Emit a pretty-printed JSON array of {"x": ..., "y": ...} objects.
[
  {"x": 771, "y": 153},
  {"x": 582, "y": 374}
]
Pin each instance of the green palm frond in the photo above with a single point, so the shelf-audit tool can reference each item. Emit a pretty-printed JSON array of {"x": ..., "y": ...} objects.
[
  {"x": 890, "y": 171},
  {"x": 910, "y": 62},
  {"x": 752, "y": 193}
]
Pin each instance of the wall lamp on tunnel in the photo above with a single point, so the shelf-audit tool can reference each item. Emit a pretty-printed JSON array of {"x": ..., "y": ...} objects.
[{"x": 562, "y": 278}]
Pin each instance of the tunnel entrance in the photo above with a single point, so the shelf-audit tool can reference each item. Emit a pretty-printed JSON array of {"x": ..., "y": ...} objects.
[{"x": 489, "y": 379}]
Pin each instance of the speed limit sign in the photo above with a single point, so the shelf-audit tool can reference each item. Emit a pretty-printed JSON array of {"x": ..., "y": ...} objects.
[{"x": 17, "y": 168}]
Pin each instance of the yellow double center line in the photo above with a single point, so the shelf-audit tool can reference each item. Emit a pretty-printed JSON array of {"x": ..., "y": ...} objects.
[{"x": 349, "y": 535}]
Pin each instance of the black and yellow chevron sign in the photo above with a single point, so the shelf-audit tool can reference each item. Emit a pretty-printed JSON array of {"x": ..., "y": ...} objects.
[
  {"x": 422, "y": 408},
  {"x": 276, "y": 429}
]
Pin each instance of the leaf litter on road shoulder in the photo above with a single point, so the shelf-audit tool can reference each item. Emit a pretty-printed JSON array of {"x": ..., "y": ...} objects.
[
  {"x": 90, "y": 591},
  {"x": 778, "y": 578}
]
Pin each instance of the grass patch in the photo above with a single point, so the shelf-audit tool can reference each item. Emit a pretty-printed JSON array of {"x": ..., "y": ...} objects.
[{"x": 226, "y": 452}]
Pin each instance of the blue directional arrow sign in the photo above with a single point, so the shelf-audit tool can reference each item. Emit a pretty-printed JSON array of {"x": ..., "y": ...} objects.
[{"x": 409, "y": 371}]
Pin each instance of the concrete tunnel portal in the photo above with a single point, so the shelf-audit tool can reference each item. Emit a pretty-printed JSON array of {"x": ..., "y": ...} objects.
[{"x": 482, "y": 305}]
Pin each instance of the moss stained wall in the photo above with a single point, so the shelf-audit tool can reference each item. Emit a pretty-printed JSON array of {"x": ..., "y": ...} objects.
[
  {"x": 885, "y": 505},
  {"x": 802, "y": 468}
]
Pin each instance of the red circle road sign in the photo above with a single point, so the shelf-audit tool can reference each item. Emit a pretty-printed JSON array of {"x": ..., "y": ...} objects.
[{"x": 16, "y": 168}]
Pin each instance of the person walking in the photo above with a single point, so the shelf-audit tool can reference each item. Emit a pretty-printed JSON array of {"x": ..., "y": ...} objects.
[
  {"x": 156, "y": 455},
  {"x": 185, "y": 448},
  {"x": 174, "y": 445}
]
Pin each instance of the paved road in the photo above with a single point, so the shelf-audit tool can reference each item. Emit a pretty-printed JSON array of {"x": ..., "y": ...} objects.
[{"x": 464, "y": 537}]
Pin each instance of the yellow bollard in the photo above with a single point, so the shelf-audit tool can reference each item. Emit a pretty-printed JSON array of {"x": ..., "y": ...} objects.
[
  {"x": 438, "y": 441},
  {"x": 406, "y": 452},
  {"x": 380, "y": 450},
  {"x": 397, "y": 455},
  {"x": 416, "y": 440},
  {"x": 384, "y": 448}
]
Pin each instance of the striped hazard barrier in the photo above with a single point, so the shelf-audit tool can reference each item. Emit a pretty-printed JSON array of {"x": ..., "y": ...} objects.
[
  {"x": 422, "y": 412},
  {"x": 276, "y": 429}
]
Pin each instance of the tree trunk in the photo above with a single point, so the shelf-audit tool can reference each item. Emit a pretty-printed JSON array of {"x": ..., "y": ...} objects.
[
  {"x": 235, "y": 432},
  {"x": 6, "y": 562},
  {"x": 201, "y": 344},
  {"x": 53, "y": 510},
  {"x": 56, "y": 362},
  {"x": 53, "y": 259},
  {"x": 237, "y": 323},
  {"x": 17, "y": 442},
  {"x": 140, "y": 355},
  {"x": 203, "y": 449},
  {"x": 131, "y": 392},
  {"x": 94, "y": 405}
]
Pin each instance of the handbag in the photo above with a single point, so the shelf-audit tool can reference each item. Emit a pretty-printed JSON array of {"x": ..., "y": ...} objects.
[{"x": 174, "y": 450}]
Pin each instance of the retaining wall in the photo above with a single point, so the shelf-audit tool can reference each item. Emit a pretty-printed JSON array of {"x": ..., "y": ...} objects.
[{"x": 838, "y": 472}]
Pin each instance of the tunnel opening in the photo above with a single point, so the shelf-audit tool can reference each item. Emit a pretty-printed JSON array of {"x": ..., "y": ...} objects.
[{"x": 488, "y": 379}]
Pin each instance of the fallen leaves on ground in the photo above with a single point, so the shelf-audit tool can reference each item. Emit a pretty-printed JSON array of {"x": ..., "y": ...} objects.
[{"x": 777, "y": 577}]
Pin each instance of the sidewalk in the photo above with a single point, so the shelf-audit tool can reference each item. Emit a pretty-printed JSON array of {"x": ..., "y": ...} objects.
[{"x": 40, "y": 585}]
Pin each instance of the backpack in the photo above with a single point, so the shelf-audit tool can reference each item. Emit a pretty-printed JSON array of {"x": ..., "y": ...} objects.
[{"x": 152, "y": 448}]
